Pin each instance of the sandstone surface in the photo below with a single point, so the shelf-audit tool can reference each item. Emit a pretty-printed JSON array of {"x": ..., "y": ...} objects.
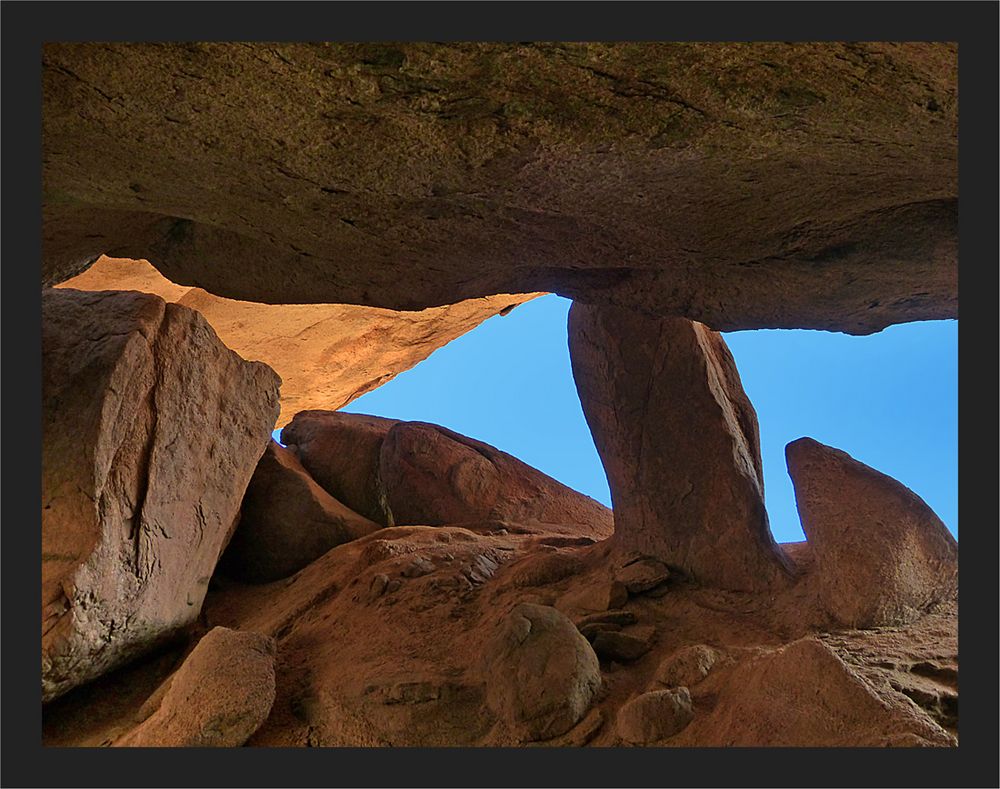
[
  {"x": 882, "y": 556},
  {"x": 287, "y": 520},
  {"x": 151, "y": 433},
  {"x": 679, "y": 441},
  {"x": 763, "y": 184},
  {"x": 218, "y": 698},
  {"x": 326, "y": 354}
]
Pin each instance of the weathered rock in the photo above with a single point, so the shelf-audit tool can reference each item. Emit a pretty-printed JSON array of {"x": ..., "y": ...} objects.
[
  {"x": 804, "y": 695},
  {"x": 591, "y": 630},
  {"x": 643, "y": 574},
  {"x": 219, "y": 696},
  {"x": 679, "y": 441},
  {"x": 623, "y": 647},
  {"x": 287, "y": 520},
  {"x": 341, "y": 451},
  {"x": 542, "y": 674},
  {"x": 401, "y": 473},
  {"x": 434, "y": 476},
  {"x": 151, "y": 433},
  {"x": 600, "y": 594},
  {"x": 654, "y": 716},
  {"x": 739, "y": 184},
  {"x": 617, "y": 617},
  {"x": 326, "y": 354},
  {"x": 687, "y": 666},
  {"x": 882, "y": 556}
]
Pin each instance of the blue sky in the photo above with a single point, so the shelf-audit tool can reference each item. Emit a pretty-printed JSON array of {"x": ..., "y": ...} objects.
[{"x": 889, "y": 399}]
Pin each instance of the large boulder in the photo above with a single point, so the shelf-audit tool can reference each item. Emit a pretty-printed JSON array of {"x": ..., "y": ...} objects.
[
  {"x": 326, "y": 354},
  {"x": 402, "y": 473},
  {"x": 882, "y": 556},
  {"x": 287, "y": 520},
  {"x": 219, "y": 696},
  {"x": 542, "y": 675},
  {"x": 435, "y": 476},
  {"x": 679, "y": 441},
  {"x": 341, "y": 452},
  {"x": 152, "y": 429},
  {"x": 762, "y": 184}
]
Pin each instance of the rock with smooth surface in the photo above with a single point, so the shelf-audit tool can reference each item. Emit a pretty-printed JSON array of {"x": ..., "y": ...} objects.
[
  {"x": 882, "y": 556},
  {"x": 622, "y": 647},
  {"x": 341, "y": 451},
  {"x": 679, "y": 441},
  {"x": 218, "y": 698},
  {"x": 286, "y": 521},
  {"x": 542, "y": 675},
  {"x": 654, "y": 716},
  {"x": 414, "y": 473},
  {"x": 643, "y": 574},
  {"x": 434, "y": 476},
  {"x": 152, "y": 429},
  {"x": 744, "y": 185},
  {"x": 326, "y": 354}
]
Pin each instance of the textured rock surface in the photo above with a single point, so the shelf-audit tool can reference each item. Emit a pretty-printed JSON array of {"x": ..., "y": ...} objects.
[
  {"x": 739, "y": 184},
  {"x": 679, "y": 441},
  {"x": 434, "y": 476},
  {"x": 152, "y": 430},
  {"x": 341, "y": 452},
  {"x": 687, "y": 666},
  {"x": 219, "y": 696},
  {"x": 414, "y": 473},
  {"x": 882, "y": 556},
  {"x": 326, "y": 354},
  {"x": 805, "y": 695},
  {"x": 543, "y": 675},
  {"x": 655, "y": 716},
  {"x": 287, "y": 520},
  {"x": 370, "y": 654}
]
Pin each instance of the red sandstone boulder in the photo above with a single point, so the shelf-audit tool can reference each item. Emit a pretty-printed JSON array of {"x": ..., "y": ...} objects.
[
  {"x": 654, "y": 716},
  {"x": 679, "y": 441},
  {"x": 287, "y": 520},
  {"x": 152, "y": 429},
  {"x": 435, "y": 476},
  {"x": 219, "y": 696},
  {"x": 882, "y": 556},
  {"x": 414, "y": 473},
  {"x": 542, "y": 675}
]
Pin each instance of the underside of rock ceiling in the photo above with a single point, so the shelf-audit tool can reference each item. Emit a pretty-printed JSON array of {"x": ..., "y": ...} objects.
[{"x": 239, "y": 237}]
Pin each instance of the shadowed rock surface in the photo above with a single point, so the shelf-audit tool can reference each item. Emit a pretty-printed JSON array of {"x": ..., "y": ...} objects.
[
  {"x": 287, "y": 520},
  {"x": 883, "y": 557},
  {"x": 219, "y": 696},
  {"x": 679, "y": 441},
  {"x": 326, "y": 354},
  {"x": 152, "y": 430},
  {"x": 739, "y": 184}
]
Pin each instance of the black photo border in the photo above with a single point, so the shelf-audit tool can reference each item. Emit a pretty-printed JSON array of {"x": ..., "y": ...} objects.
[{"x": 25, "y": 26}]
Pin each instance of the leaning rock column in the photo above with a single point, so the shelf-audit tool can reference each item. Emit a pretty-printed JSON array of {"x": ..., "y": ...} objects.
[
  {"x": 152, "y": 429},
  {"x": 679, "y": 441}
]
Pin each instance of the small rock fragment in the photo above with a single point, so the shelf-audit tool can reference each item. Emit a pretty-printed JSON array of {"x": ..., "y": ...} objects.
[
  {"x": 655, "y": 716},
  {"x": 590, "y": 631},
  {"x": 623, "y": 647},
  {"x": 687, "y": 666},
  {"x": 642, "y": 575},
  {"x": 418, "y": 567}
]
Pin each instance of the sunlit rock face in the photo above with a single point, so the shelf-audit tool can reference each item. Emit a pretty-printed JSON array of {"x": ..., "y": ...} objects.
[
  {"x": 326, "y": 354},
  {"x": 152, "y": 430},
  {"x": 743, "y": 185}
]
